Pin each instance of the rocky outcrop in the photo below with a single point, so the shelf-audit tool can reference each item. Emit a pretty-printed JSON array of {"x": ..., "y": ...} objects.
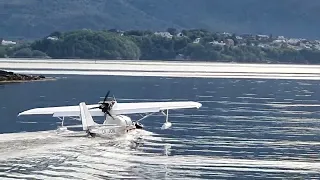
[{"x": 6, "y": 76}]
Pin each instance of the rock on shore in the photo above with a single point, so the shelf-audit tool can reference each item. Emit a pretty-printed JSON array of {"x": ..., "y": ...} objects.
[{"x": 6, "y": 76}]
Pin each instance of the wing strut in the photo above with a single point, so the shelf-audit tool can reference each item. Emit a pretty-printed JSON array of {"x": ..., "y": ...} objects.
[
  {"x": 62, "y": 121},
  {"x": 167, "y": 124},
  {"x": 144, "y": 117},
  {"x": 62, "y": 128}
]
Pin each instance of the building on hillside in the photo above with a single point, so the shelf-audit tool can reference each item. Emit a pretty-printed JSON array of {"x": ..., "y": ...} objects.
[
  {"x": 6, "y": 43},
  {"x": 217, "y": 43},
  {"x": 293, "y": 41},
  {"x": 229, "y": 42},
  {"x": 53, "y": 38},
  {"x": 180, "y": 35},
  {"x": 196, "y": 41},
  {"x": 164, "y": 34}
]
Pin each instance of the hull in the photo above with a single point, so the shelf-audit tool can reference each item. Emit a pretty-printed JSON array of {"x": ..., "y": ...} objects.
[
  {"x": 104, "y": 132},
  {"x": 111, "y": 132}
]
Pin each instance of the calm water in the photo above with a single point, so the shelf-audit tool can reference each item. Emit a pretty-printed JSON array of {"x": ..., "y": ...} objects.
[{"x": 245, "y": 129}]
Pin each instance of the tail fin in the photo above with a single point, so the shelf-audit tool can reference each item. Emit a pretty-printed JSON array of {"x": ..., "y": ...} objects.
[{"x": 85, "y": 117}]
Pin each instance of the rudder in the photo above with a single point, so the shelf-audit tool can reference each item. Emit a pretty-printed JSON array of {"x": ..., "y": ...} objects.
[{"x": 86, "y": 117}]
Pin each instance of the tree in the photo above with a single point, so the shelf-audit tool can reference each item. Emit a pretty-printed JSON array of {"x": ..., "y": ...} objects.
[
  {"x": 57, "y": 34},
  {"x": 37, "y": 53},
  {"x": 2, "y": 51},
  {"x": 89, "y": 44},
  {"x": 172, "y": 31},
  {"x": 23, "y": 53}
]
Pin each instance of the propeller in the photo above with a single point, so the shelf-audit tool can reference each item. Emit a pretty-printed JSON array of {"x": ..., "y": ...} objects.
[{"x": 105, "y": 106}]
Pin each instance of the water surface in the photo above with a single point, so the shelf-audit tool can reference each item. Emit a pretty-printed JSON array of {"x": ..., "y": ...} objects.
[{"x": 246, "y": 128}]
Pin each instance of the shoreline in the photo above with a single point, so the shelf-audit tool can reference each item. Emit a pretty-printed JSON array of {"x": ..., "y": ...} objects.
[
  {"x": 146, "y": 62},
  {"x": 26, "y": 81},
  {"x": 9, "y": 77},
  {"x": 160, "y": 68}
]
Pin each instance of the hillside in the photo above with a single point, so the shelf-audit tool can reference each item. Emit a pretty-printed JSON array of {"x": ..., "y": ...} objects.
[
  {"x": 37, "y": 18},
  {"x": 196, "y": 44}
]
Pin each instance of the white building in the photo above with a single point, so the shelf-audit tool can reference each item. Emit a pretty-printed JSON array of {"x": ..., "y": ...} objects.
[
  {"x": 217, "y": 43},
  {"x": 6, "y": 43},
  {"x": 52, "y": 38},
  {"x": 164, "y": 34},
  {"x": 196, "y": 41}
]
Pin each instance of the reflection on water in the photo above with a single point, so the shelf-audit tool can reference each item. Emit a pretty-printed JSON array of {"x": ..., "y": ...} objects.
[{"x": 246, "y": 128}]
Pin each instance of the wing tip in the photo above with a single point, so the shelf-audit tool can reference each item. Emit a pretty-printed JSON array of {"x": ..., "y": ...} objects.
[
  {"x": 198, "y": 105},
  {"x": 27, "y": 112},
  {"x": 21, "y": 114}
]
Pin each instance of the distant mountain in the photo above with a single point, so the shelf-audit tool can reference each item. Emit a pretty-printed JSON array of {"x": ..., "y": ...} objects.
[{"x": 38, "y": 18}]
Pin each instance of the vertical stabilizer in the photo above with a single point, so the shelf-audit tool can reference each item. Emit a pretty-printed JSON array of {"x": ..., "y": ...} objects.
[{"x": 85, "y": 116}]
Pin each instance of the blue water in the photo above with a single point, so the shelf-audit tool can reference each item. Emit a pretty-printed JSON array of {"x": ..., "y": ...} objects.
[{"x": 245, "y": 129}]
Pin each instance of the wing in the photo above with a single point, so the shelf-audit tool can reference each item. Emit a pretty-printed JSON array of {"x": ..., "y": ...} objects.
[
  {"x": 148, "y": 107},
  {"x": 118, "y": 108},
  {"x": 62, "y": 111}
]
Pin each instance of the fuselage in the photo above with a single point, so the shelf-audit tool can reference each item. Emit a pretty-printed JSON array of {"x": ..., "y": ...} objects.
[{"x": 118, "y": 125}]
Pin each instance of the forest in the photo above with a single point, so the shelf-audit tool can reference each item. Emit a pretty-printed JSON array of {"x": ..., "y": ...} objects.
[{"x": 192, "y": 44}]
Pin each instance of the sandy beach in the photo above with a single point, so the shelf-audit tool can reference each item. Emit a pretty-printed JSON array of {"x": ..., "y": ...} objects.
[{"x": 160, "y": 68}]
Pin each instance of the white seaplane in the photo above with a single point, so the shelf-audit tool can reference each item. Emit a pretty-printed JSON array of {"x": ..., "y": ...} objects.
[{"x": 115, "y": 122}]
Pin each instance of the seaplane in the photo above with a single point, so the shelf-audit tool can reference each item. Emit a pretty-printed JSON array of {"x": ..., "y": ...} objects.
[{"x": 116, "y": 120}]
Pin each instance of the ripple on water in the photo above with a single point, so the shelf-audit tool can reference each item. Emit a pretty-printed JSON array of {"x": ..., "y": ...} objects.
[
  {"x": 146, "y": 155},
  {"x": 246, "y": 128}
]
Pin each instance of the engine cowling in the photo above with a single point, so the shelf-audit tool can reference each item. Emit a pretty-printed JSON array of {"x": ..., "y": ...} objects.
[{"x": 119, "y": 120}]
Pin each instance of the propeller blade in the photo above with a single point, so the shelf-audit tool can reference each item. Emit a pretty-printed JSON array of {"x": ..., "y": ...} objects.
[
  {"x": 94, "y": 107},
  {"x": 105, "y": 98},
  {"x": 110, "y": 114}
]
